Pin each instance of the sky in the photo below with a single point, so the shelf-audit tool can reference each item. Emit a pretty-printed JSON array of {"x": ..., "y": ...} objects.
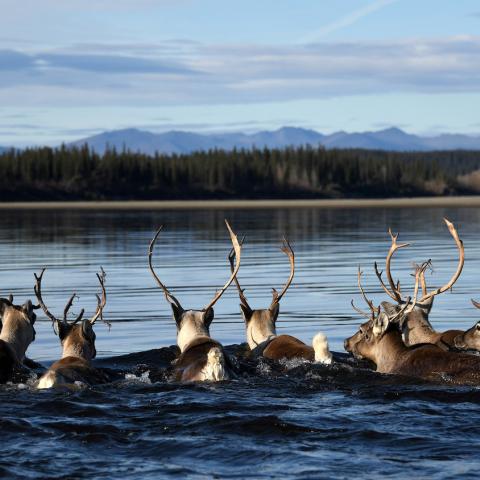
[{"x": 73, "y": 68}]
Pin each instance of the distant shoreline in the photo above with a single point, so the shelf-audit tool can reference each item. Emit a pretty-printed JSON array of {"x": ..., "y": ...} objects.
[{"x": 416, "y": 202}]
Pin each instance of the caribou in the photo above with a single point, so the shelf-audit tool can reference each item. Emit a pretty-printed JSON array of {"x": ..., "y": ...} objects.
[
  {"x": 380, "y": 341},
  {"x": 201, "y": 357},
  {"x": 261, "y": 329},
  {"x": 77, "y": 339},
  {"x": 17, "y": 332},
  {"x": 415, "y": 325},
  {"x": 469, "y": 339}
]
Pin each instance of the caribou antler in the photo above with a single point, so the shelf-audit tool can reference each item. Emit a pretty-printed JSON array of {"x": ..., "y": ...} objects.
[
  {"x": 101, "y": 302},
  {"x": 382, "y": 283},
  {"x": 419, "y": 278},
  {"x": 475, "y": 303},
  {"x": 394, "y": 289},
  {"x": 461, "y": 262},
  {"x": 423, "y": 283},
  {"x": 241, "y": 294},
  {"x": 100, "y": 305},
  {"x": 170, "y": 298},
  {"x": 409, "y": 305},
  {"x": 68, "y": 306},
  {"x": 374, "y": 311},
  {"x": 360, "y": 311},
  {"x": 38, "y": 293},
  {"x": 287, "y": 250},
  {"x": 237, "y": 249}
]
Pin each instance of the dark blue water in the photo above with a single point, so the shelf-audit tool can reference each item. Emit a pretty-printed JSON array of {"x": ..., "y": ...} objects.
[{"x": 290, "y": 420}]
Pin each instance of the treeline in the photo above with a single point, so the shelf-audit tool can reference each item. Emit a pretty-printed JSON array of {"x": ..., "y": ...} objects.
[{"x": 80, "y": 174}]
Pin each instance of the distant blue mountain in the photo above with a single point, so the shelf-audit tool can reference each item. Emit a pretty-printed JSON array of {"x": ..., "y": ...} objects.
[{"x": 180, "y": 142}]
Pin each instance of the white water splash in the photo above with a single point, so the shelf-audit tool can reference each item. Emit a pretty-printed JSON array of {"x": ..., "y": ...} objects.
[{"x": 143, "y": 378}]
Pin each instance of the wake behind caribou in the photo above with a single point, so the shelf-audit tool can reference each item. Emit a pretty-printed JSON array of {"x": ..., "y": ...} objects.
[{"x": 397, "y": 337}]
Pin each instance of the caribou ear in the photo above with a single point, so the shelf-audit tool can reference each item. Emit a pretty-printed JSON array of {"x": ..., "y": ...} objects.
[
  {"x": 275, "y": 310},
  {"x": 87, "y": 328},
  {"x": 208, "y": 317},
  {"x": 390, "y": 309},
  {"x": 426, "y": 306},
  {"x": 380, "y": 324},
  {"x": 177, "y": 313},
  {"x": 28, "y": 310},
  {"x": 61, "y": 329},
  {"x": 247, "y": 312},
  {"x": 27, "y": 307}
]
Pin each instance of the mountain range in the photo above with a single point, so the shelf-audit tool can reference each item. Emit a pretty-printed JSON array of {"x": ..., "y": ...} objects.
[
  {"x": 179, "y": 142},
  {"x": 393, "y": 139}
]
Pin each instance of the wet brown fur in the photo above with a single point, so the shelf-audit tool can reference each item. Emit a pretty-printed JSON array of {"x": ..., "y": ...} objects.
[
  {"x": 427, "y": 361},
  {"x": 75, "y": 365},
  {"x": 192, "y": 361},
  {"x": 69, "y": 370},
  {"x": 17, "y": 332},
  {"x": 286, "y": 346},
  {"x": 468, "y": 340},
  {"x": 416, "y": 328}
]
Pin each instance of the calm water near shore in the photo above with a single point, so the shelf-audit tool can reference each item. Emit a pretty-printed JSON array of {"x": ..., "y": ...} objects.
[{"x": 309, "y": 423}]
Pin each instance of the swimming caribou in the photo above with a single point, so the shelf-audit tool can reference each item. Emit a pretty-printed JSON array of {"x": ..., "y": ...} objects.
[
  {"x": 201, "y": 357},
  {"x": 17, "y": 333},
  {"x": 469, "y": 339},
  {"x": 78, "y": 342},
  {"x": 380, "y": 341},
  {"x": 261, "y": 332},
  {"x": 415, "y": 325}
]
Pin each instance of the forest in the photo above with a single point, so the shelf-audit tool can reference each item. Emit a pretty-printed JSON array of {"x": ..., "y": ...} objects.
[{"x": 67, "y": 173}]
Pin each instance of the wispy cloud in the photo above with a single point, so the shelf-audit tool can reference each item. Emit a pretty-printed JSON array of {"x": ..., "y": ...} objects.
[
  {"x": 346, "y": 20},
  {"x": 11, "y": 60},
  {"x": 128, "y": 75}
]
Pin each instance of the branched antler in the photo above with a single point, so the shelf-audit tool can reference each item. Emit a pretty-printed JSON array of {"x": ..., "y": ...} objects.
[
  {"x": 461, "y": 263},
  {"x": 100, "y": 302},
  {"x": 374, "y": 311}
]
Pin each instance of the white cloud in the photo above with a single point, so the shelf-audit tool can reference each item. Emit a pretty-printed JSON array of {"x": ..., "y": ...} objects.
[{"x": 180, "y": 73}]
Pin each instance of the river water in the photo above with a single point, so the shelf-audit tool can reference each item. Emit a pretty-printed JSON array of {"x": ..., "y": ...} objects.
[{"x": 276, "y": 421}]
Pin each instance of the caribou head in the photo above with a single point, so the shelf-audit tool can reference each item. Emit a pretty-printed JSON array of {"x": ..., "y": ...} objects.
[
  {"x": 17, "y": 325},
  {"x": 261, "y": 323},
  {"x": 363, "y": 343},
  {"x": 76, "y": 337},
  {"x": 192, "y": 324},
  {"x": 470, "y": 339},
  {"x": 416, "y": 327}
]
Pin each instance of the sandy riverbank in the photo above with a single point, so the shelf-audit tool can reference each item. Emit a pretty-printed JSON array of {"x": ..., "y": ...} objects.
[{"x": 431, "y": 202}]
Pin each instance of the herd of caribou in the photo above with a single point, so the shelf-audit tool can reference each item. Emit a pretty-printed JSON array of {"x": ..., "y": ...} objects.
[{"x": 397, "y": 337}]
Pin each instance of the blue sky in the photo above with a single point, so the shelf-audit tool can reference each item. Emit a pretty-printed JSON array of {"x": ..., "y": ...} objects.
[{"x": 72, "y": 68}]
